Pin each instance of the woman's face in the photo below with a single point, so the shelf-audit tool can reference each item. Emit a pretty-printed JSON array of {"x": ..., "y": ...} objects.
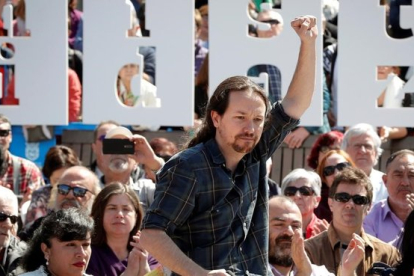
[
  {"x": 306, "y": 203},
  {"x": 119, "y": 216},
  {"x": 67, "y": 258},
  {"x": 333, "y": 160},
  {"x": 128, "y": 71},
  {"x": 55, "y": 176}
]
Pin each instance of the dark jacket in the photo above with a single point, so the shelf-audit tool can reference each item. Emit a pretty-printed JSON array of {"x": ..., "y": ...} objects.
[{"x": 15, "y": 251}]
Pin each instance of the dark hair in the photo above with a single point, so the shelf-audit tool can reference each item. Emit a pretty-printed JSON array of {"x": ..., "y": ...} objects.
[
  {"x": 163, "y": 147},
  {"x": 352, "y": 176},
  {"x": 321, "y": 166},
  {"x": 396, "y": 154},
  {"x": 202, "y": 76},
  {"x": 59, "y": 157},
  {"x": 99, "y": 205},
  {"x": 324, "y": 140},
  {"x": 64, "y": 225},
  {"x": 4, "y": 165},
  {"x": 406, "y": 265},
  {"x": 109, "y": 122},
  {"x": 219, "y": 102}
]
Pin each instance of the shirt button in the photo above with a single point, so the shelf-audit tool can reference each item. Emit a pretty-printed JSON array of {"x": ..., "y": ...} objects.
[
  {"x": 241, "y": 249},
  {"x": 244, "y": 224}
]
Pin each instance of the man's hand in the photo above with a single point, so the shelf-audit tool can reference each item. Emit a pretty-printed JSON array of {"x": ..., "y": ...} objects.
[
  {"x": 410, "y": 200},
  {"x": 305, "y": 27},
  {"x": 299, "y": 256},
  {"x": 352, "y": 256},
  {"x": 144, "y": 153},
  {"x": 296, "y": 137}
]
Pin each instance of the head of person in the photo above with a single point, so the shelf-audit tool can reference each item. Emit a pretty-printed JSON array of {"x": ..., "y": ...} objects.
[
  {"x": 5, "y": 132},
  {"x": 116, "y": 212},
  {"x": 8, "y": 216},
  {"x": 118, "y": 164},
  {"x": 304, "y": 188},
  {"x": 284, "y": 218},
  {"x": 384, "y": 71},
  {"x": 274, "y": 19},
  {"x": 99, "y": 135},
  {"x": 203, "y": 32},
  {"x": 399, "y": 177},
  {"x": 325, "y": 142},
  {"x": 61, "y": 243},
  {"x": 235, "y": 115},
  {"x": 77, "y": 187},
  {"x": 332, "y": 163},
  {"x": 350, "y": 199},
  {"x": 57, "y": 160},
  {"x": 127, "y": 72},
  {"x": 363, "y": 144},
  {"x": 4, "y": 165},
  {"x": 73, "y": 4}
]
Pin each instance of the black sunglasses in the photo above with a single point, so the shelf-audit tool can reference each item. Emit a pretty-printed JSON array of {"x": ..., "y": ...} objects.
[
  {"x": 64, "y": 189},
  {"x": 4, "y": 216},
  {"x": 4, "y": 132},
  {"x": 345, "y": 197},
  {"x": 271, "y": 21},
  {"x": 304, "y": 190},
  {"x": 329, "y": 170}
]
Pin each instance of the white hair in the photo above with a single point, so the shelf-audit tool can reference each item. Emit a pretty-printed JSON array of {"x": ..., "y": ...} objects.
[
  {"x": 7, "y": 197},
  {"x": 363, "y": 129},
  {"x": 297, "y": 174}
]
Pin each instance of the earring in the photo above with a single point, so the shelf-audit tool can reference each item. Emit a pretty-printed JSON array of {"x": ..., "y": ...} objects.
[{"x": 47, "y": 260}]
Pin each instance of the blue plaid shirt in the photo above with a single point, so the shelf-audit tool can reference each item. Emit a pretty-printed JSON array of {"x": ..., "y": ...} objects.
[
  {"x": 217, "y": 219},
  {"x": 275, "y": 80}
]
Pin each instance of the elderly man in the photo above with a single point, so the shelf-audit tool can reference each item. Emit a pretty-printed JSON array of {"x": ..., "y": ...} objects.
[
  {"x": 304, "y": 188},
  {"x": 363, "y": 144},
  {"x": 118, "y": 167},
  {"x": 21, "y": 176},
  {"x": 287, "y": 254},
  {"x": 11, "y": 249},
  {"x": 350, "y": 198},
  {"x": 77, "y": 187},
  {"x": 386, "y": 218}
]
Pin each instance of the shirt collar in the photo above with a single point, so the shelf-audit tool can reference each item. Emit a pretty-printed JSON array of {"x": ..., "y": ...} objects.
[{"x": 334, "y": 238}]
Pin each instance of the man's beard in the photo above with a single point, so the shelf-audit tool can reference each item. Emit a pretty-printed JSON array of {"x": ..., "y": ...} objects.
[
  {"x": 69, "y": 203},
  {"x": 280, "y": 254},
  {"x": 118, "y": 164},
  {"x": 247, "y": 146}
]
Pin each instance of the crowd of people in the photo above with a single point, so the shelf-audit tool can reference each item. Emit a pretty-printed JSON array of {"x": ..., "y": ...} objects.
[{"x": 211, "y": 208}]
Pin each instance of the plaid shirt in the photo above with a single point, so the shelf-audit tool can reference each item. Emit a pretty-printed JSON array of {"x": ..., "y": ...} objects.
[
  {"x": 216, "y": 219},
  {"x": 30, "y": 175},
  {"x": 275, "y": 80}
]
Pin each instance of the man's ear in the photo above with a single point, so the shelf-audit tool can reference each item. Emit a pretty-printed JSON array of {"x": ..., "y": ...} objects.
[
  {"x": 215, "y": 117},
  {"x": 385, "y": 178}
]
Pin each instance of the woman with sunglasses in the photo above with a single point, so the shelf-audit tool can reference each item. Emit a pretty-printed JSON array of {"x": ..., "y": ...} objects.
[
  {"x": 61, "y": 246},
  {"x": 57, "y": 160},
  {"x": 333, "y": 162},
  {"x": 115, "y": 245},
  {"x": 304, "y": 187}
]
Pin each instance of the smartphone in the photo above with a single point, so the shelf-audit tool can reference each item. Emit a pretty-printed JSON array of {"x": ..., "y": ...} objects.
[{"x": 118, "y": 146}]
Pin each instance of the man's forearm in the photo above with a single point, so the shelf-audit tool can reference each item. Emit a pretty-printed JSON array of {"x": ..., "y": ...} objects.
[
  {"x": 300, "y": 92},
  {"x": 160, "y": 246}
]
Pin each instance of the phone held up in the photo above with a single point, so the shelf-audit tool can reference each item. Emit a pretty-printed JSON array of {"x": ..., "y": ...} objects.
[{"x": 118, "y": 146}]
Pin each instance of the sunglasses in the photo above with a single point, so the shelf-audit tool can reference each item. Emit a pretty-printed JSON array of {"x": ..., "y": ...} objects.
[
  {"x": 271, "y": 21},
  {"x": 329, "y": 170},
  {"x": 64, "y": 189},
  {"x": 4, "y": 132},
  {"x": 304, "y": 190},
  {"x": 13, "y": 219},
  {"x": 345, "y": 197}
]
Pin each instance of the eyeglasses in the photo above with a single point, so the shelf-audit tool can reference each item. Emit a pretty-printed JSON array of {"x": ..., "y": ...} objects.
[
  {"x": 329, "y": 170},
  {"x": 345, "y": 197},
  {"x": 64, "y": 189},
  {"x": 304, "y": 190},
  {"x": 271, "y": 21},
  {"x": 4, "y": 132},
  {"x": 4, "y": 216}
]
